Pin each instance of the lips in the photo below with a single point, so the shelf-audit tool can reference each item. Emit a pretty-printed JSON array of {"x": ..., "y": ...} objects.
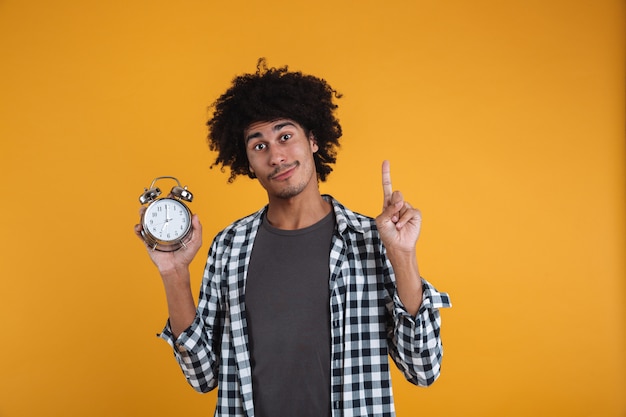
[{"x": 284, "y": 172}]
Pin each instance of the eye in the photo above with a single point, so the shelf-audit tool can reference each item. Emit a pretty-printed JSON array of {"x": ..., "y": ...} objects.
[
  {"x": 259, "y": 146},
  {"x": 285, "y": 137}
]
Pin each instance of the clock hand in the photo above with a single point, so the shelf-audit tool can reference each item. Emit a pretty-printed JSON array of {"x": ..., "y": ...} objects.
[{"x": 167, "y": 214}]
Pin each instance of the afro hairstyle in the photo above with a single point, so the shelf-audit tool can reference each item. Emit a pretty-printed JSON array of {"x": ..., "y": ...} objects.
[{"x": 267, "y": 95}]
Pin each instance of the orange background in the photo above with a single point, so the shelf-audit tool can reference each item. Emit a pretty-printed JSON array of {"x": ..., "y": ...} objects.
[{"x": 503, "y": 121}]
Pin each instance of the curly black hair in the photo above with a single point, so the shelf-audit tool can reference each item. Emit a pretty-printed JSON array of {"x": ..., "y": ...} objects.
[{"x": 267, "y": 95}]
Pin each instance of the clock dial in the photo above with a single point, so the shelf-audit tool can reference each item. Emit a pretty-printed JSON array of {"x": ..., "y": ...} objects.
[{"x": 167, "y": 220}]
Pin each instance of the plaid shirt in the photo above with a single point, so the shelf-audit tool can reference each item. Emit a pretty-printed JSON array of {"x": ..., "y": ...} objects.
[{"x": 368, "y": 323}]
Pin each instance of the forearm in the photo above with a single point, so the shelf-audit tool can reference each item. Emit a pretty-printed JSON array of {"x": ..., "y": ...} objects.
[
  {"x": 408, "y": 281},
  {"x": 180, "y": 303},
  {"x": 174, "y": 269},
  {"x": 189, "y": 330}
]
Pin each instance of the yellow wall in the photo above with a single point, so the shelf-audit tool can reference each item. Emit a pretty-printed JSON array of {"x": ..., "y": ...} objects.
[{"x": 503, "y": 121}]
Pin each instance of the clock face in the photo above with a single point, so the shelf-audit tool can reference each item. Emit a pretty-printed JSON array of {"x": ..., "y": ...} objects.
[{"x": 167, "y": 220}]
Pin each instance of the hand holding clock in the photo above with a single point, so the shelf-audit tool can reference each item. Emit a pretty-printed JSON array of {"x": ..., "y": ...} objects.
[
  {"x": 174, "y": 269},
  {"x": 172, "y": 248},
  {"x": 177, "y": 259}
]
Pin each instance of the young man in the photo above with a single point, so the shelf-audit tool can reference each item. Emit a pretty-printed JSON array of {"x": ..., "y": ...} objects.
[{"x": 303, "y": 302}]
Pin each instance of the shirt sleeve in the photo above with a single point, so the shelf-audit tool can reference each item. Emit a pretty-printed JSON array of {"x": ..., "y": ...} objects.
[
  {"x": 415, "y": 341},
  {"x": 197, "y": 362}
]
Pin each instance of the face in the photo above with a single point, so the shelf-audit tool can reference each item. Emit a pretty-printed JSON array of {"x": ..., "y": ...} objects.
[
  {"x": 281, "y": 156},
  {"x": 167, "y": 220}
]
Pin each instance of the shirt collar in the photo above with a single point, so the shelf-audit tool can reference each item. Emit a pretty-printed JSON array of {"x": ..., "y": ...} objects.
[{"x": 345, "y": 218}]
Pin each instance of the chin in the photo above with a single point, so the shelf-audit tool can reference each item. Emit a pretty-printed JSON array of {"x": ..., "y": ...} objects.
[{"x": 290, "y": 191}]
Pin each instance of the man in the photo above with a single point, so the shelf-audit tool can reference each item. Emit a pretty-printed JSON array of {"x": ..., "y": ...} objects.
[{"x": 302, "y": 302}]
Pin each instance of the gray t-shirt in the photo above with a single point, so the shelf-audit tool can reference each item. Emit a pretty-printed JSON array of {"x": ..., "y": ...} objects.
[{"x": 287, "y": 309}]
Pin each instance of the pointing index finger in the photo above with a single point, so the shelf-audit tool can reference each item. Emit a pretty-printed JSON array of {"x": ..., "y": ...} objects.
[{"x": 387, "y": 189}]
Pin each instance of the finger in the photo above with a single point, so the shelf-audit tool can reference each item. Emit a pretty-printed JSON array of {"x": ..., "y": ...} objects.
[
  {"x": 196, "y": 237},
  {"x": 138, "y": 229},
  {"x": 394, "y": 206},
  {"x": 408, "y": 214},
  {"x": 195, "y": 222},
  {"x": 387, "y": 188}
]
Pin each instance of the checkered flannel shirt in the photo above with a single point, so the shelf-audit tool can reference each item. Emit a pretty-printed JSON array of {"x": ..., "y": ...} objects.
[{"x": 368, "y": 323}]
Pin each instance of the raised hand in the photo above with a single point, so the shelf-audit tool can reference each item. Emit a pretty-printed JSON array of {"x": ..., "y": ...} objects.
[{"x": 399, "y": 224}]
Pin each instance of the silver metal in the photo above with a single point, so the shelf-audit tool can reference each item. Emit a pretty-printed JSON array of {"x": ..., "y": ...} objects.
[
  {"x": 179, "y": 194},
  {"x": 149, "y": 195},
  {"x": 162, "y": 178},
  {"x": 182, "y": 193}
]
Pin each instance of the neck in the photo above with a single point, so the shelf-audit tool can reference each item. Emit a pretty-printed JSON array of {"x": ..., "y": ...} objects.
[{"x": 297, "y": 212}]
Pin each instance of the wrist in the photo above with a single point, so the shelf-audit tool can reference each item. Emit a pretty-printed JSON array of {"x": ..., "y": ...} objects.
[{"x": 175, "y": 276}]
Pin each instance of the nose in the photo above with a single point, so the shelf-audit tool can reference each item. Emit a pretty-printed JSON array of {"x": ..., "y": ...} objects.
[{"x": 276, "y": 156}]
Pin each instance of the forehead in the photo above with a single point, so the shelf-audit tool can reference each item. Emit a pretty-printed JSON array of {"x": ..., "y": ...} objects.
[{"x": 259, "y": 128}]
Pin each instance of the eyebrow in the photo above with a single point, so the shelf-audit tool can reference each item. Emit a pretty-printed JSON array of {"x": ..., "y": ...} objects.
[{"x": 275, "y": 128}]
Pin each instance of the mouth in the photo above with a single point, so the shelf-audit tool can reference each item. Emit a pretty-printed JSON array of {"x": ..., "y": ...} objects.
[{"x": 283, "y": 172}]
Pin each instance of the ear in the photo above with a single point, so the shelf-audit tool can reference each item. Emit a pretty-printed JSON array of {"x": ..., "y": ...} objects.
[{"x": 313, "y": 141}]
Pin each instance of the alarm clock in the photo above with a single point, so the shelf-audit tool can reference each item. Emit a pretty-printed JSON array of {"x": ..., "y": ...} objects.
[{"x": 166, "y": 222}]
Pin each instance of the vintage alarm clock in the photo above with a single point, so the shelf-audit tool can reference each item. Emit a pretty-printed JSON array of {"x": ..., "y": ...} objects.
[{"x": 166, "y": 222}]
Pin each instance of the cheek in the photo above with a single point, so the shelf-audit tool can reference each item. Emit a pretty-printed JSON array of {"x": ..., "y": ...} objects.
[{"x": 250, "y": 158}]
